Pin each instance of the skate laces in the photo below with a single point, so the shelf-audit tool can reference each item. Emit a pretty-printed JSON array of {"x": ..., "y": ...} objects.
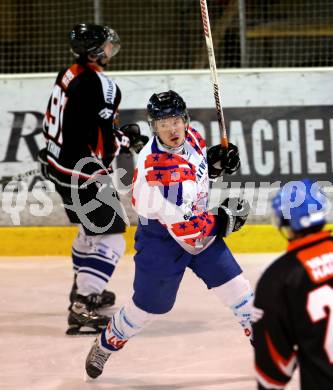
[
  {"x": 87, "y": 303},
  {"x": 93, "y": 300},
  {"x": 99, "y": 357}
]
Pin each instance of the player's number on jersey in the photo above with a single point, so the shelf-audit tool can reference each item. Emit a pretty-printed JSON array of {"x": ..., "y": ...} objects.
[
  {"x": 318, "y": 300},
  {"x": 58, "y": 101}
]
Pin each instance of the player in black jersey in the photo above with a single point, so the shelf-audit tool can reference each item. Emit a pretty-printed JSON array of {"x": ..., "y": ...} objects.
[
  {"x": 293, "y": 307},
  {"x": 82, "y": 139}
]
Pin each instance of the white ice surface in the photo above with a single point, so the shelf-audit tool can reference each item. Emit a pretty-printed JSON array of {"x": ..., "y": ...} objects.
[{"x": 198, "y": 345}]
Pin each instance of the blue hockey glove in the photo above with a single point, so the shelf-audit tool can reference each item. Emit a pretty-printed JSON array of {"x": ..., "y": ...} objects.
[{"x": 221, "y": 160}]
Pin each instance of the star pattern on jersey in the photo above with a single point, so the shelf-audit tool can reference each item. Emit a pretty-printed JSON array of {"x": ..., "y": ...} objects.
[
  {"x": 201, "y": 226},
  {"x": 165, "y": 169},
  {"x": 158, "y": 175},
  {"x": 199, "y": 138},
  {"x": 194, "y": 138}
]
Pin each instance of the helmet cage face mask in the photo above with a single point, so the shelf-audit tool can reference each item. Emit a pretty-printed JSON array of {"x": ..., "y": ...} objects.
[
  {"x": 166, "y": 105},
  {"x": 152, "y": 122},
  {"x": 90, "y": 39}
]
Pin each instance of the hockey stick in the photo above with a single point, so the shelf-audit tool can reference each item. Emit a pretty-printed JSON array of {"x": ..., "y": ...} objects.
[{"x": 212, "y": 64}]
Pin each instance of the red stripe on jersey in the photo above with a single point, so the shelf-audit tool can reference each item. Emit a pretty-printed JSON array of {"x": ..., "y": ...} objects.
[
  {"x": 48, "y": 116},
  {"x": 99, "y": 150},
  {"x": 191, "y": 241},
  {"x": 195, "y": 140},
  {"x": 286, "y": 366},
  {"x": 72, "y": 172},
  {"x": 70, "y": 75},
  {"x": 135, "y": 176},
  {"x": 169, "y": 177},
  {"x": 307, "y": 240},
  {"x": 76, "y": 69},
  {"x": 203, "y": 224},
  {"x": 67, "y": 171},
  {"x": 268, "y": 380},
  {"x": 165, "y": 160},
  {"x": 197, "y": 135}
]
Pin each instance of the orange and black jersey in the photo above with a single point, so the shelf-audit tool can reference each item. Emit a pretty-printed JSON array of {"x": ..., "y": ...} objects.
[
  {"x": 80, "y": 122},
  {"x": 293, "y": 314}
]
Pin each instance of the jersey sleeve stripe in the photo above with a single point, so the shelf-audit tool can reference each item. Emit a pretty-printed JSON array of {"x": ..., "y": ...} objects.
[
  {"x": 165, "y": 160},
  {"x": 195, "y": 140},
  {"x": 286, "y": 366},
  {"x": 73, "y": 172},
  {"x": 170, "y": 177},
  {"x": 70, "y": 75},
  {"x": 268, "y": 382},
  {"x": 199, "y": 227}
]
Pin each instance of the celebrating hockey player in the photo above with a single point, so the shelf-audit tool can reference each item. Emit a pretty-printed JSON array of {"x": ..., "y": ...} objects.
[
  {"x": 176, "y": 230},
  {"x": 80, "y": 123},
  {"x": 294, "y": 297}
]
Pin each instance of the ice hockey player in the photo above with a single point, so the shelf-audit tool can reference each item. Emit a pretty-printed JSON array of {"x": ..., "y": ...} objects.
[
  {"x": 294, "y": 297},
  {"x": 176, "y": 230},
  {"x": 80, "y": 127}
]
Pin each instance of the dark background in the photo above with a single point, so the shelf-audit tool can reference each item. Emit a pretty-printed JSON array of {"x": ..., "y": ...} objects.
[
  {"x": 168, "y": 34},
  {"x": 248, "y": 116}
]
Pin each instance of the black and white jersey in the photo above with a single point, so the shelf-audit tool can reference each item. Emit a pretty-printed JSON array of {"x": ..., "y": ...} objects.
[
  {"x": 293, "y": 314},
  {"x": 80, "y": 122}
]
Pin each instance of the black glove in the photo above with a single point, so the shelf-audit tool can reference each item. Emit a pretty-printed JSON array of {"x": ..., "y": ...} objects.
[
  {"x": 232, "y": 214},
  {"x": 137, "y": 140},
  {"x": 221, "y": 160},
  {"x": 43, "y": 163}
]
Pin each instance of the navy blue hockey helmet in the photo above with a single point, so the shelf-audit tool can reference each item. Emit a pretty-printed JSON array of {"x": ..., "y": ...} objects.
[
  {"x": 300, "y": 205},
  {"x": 88, "y": 39},
  {"x": 165, "y": 105}
]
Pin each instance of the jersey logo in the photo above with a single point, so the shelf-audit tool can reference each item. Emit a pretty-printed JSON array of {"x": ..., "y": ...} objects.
[
  {"x": 202, "y": 169},
  {"x": 106, "y": 113},
  {"x": 53, "y": 148},
  {"x": 318, "y": 261},
  {"x": 70, "y": 74},
  {"x": 67, "y": 78},
  {"x": 109, "y": 88}
]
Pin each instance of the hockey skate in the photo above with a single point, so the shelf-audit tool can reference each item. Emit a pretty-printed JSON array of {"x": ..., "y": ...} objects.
[
  {"x": 108, "y": 298},
  {"x": 96, "y": 360},
  {"x": 83, "y": 318}
]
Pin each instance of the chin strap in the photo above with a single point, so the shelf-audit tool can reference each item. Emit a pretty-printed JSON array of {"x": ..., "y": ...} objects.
[
  {"x": 284, "y": 231},
  {"x": 100, "y": 63}
]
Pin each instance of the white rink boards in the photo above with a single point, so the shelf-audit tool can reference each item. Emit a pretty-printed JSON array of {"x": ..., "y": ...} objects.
[{"x": 198, "y": 345}]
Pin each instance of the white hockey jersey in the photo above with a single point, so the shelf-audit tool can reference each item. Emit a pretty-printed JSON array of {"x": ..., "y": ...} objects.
[{"x": 173, "y": 189}]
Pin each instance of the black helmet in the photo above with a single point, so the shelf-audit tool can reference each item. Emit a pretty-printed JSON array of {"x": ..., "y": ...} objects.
[
  {"x": 166, "y": 104},
  {"x": 89, "y": 38}
]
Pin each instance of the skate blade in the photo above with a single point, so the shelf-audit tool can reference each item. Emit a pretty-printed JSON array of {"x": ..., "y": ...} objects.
[
  {"x": 83, "y": 331},
  {"x": 88, "y": 378}
]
